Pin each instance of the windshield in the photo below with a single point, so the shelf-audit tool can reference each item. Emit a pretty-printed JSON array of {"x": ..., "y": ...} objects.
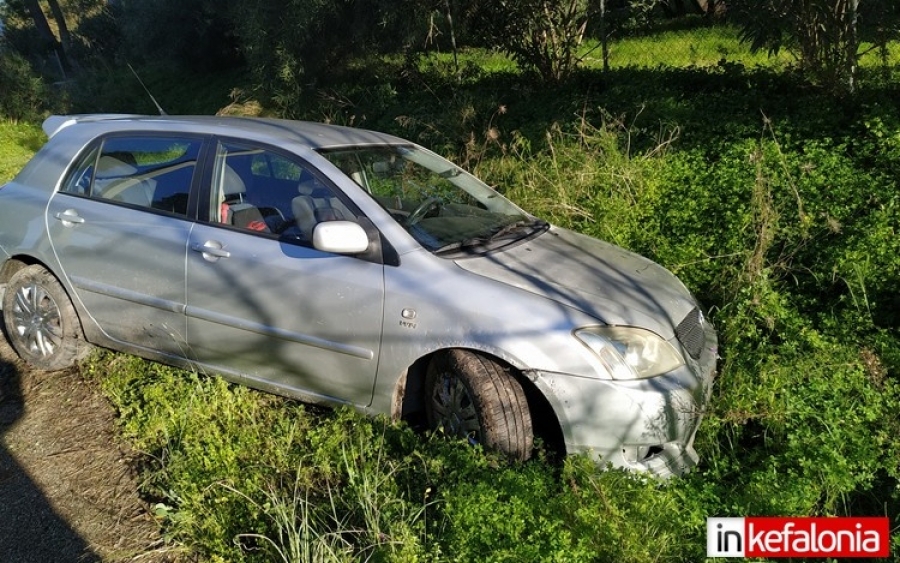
[{"x": 442, "y": 206}]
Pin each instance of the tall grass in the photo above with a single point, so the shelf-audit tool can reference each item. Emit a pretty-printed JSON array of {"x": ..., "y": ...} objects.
[
  {"x": 585, "y": 176},
  {"x": 249, "y": 476}
]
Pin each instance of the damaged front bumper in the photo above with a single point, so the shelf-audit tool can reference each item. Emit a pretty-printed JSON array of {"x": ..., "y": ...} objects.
[{"x": 645, "y": 425}]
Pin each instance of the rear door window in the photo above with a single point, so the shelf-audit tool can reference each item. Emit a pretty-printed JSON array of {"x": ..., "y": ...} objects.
[{"x": 150, "y": 172}]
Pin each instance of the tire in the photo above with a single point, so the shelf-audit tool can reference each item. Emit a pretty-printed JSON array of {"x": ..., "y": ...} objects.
[
  {"x": 473, "y": 397},
  {"x": 41, "y": 322}
]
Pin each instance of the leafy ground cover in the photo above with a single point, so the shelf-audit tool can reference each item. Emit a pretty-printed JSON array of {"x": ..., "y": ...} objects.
[{"x": 776, "y": 204}]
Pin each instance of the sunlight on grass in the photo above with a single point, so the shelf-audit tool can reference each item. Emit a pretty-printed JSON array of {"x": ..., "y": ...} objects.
[
  {"x": 18, "y": 141},
  {"x": 682, "y": 48},
  {"x": 874, "y": 58},
  {"x": 705, "y": 46},
  {"x": 487, "y": 61}
]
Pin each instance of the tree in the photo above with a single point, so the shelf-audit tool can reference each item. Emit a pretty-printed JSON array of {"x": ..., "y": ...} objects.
[
  {"x": 198, "y": 34},
  {"x": 26, "y": 11},
  {"x": 46, "y": 34},
  {"x": 65, "y": 38},
  {"x": 540, "y": 35},
  {"x": 824, "y": 35}
]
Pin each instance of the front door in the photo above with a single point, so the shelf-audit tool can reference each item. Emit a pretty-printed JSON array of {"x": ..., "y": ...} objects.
[{"x": 265, "y": 306}]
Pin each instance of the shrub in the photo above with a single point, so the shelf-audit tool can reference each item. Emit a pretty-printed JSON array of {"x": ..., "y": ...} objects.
[
  {"x": 23, "y": 94},
  {"x": 543, "y": 36}
]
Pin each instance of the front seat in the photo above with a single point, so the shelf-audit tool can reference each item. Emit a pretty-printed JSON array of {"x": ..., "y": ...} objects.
[
  {"x": 235, "y": 210},
  {"x": 315, "y": 204}
]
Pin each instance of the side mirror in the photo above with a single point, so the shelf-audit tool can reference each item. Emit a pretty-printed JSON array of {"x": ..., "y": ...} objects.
[{"x": 340, "y": 237}]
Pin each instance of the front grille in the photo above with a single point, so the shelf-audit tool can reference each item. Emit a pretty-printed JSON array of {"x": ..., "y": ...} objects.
[{"x": 690, "y": 333}]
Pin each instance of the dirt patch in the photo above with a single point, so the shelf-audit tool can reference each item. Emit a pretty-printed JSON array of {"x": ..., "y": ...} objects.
[{"x": 67, "y": 488}]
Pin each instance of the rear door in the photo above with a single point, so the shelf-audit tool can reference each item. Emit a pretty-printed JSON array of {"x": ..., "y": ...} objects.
[
  {"x": 263, "y": 304},
  {"x": 119, "y": 227}
]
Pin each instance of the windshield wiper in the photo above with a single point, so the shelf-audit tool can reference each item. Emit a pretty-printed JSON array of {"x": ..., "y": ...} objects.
[
  {"x": 465, "y": 244},
  {"x": 482, "y": 241},
  {"x": 530, "y": 224}
]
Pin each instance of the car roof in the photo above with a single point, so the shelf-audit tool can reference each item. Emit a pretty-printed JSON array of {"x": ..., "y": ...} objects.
[{"x": 314, "y": 135}]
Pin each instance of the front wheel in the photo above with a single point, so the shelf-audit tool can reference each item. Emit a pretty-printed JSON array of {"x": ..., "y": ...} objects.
[
  {"x": 473, "y": 397},
  {"x": 40, "y": 320}
]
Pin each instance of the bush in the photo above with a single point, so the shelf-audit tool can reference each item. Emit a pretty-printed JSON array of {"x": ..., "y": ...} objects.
[
  {"x": 23, "y": 95},
  {"x": 543, "y": 36}
]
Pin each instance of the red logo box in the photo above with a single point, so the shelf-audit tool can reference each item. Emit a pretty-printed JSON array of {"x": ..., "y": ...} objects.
[{"x": 775, "y": 537}]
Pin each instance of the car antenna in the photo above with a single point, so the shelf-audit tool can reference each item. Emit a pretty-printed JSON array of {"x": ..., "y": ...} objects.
[{"x": 158, "y": 107}]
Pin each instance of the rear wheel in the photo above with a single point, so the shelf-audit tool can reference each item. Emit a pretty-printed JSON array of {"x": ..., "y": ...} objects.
[
  {"x": 40, "y": 320},
  {"x": 473, "y": 397}
]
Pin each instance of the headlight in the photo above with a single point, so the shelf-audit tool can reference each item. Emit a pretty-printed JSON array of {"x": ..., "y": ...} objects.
[{"x": 629, "y": 353}]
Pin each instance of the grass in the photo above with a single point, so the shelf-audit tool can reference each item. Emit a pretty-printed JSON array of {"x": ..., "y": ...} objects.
[
  {"x": 775, "y": 203},
  {"x": 19, "y": 142},
  {"x": 701, "y": 46}
]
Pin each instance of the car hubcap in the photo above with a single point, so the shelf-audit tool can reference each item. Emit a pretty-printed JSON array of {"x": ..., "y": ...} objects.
[
  {"x": 36, "y": 320},
  {"x": 454, "y": 410}
]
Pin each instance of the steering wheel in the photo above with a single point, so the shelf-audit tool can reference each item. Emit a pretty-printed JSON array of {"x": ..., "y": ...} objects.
[{"x": 421, "y": 210}]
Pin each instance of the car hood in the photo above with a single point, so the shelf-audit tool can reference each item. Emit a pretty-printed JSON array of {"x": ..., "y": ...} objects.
[{"x": 615, "y": 286}]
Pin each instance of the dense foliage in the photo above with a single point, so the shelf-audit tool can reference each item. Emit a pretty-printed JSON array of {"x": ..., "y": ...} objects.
[
  {"x": 22, "y": 93},
  {"x": 541, "y": 35},
  {"x": 776, "y": 202},
  {"x": 826, "y": 36},
  {"x": 293, "y": 47}
]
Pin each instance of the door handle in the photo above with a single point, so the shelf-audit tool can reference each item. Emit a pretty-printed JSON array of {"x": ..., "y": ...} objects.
[
  {"x": 69, "y": 218},
  {"x": 211, "y": 250}
]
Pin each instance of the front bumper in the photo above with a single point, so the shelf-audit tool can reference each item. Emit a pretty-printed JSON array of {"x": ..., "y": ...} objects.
[{"x": 645, "y": 425}]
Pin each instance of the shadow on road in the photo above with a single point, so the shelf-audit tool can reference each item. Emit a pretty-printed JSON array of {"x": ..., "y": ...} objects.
[{"x": 31, "y": 530}]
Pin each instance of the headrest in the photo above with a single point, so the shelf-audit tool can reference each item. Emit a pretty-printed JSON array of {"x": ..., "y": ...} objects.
[
  {"x": 110, "y": 166},
  {"x": 232, "y": 184},
  {"x": 382, "y": 167},
  {"x": 310, "y": 185}
]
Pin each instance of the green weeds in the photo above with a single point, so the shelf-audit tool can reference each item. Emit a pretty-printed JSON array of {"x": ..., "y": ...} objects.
[
  {"x": 790, "y": 242},
  {"x": 777, "y": 205},
  {"x": 240, "y": 475}
]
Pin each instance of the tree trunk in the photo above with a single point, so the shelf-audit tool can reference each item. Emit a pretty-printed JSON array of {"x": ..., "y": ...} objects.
[
  {"x": 46, "y": 34},
  {"x": 710, "y": 8},
  {"x": 452, "y": 38},
  {"x": 40, "y": 21},
  {"x": 604, "y": 37},
  {"x": 852, "y": 54},
  {"x": 64, "y": 36}
]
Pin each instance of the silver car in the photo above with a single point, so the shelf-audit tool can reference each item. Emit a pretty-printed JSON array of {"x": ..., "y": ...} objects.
[{"x": 344, "y": 266}]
